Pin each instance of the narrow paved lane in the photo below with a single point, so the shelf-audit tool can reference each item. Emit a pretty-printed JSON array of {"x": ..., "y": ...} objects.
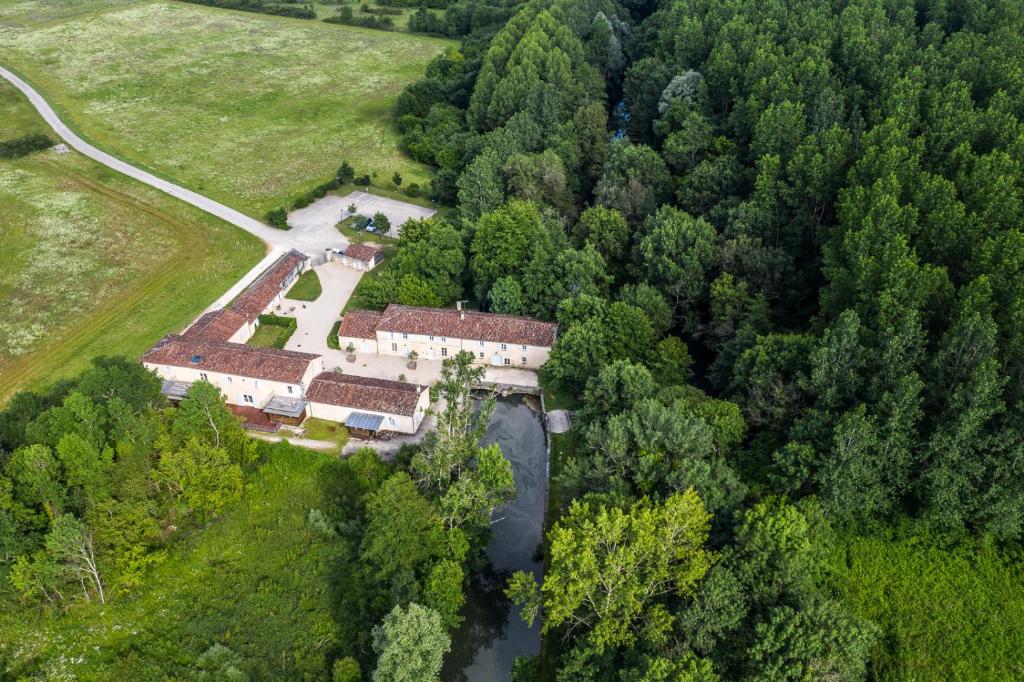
[{"x": 277, "y": 239}]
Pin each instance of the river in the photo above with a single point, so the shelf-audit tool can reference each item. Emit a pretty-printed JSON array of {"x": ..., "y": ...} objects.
[{"x": 493, "y": 634}]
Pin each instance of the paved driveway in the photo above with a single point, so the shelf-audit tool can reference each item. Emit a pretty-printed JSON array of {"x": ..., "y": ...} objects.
[
  {"x": 315, "y": 223},
  {"x": 315, "y": 318}
]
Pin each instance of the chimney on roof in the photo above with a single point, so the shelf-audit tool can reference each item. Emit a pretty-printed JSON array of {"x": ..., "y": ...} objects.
[{"x": 462, "y": 313}]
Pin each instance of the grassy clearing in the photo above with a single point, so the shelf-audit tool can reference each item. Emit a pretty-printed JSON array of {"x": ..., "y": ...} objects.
[
  {"x": 94, "y": 263},
  {"x": 254, "y": 580},
  {"x": 558, "y": 398},
  {"x": 248, "y": 109},
  {"x": 306, "y": 288},
  {"x": 320, "y": 429},
  {"x": 945, "y": 614}
]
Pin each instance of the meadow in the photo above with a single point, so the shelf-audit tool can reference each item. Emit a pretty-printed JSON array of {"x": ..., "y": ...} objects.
[
  {"x": 249, "y": 109},
  {"x": 945, "y": 613},
  {"x": 94, "y": 263},
  {"x": 255, "y": 580}
]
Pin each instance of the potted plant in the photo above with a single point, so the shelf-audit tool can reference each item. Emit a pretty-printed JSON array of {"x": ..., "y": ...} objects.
[
  {"x": 413, "y": 357},
  {"x": 351, "y": 350}
]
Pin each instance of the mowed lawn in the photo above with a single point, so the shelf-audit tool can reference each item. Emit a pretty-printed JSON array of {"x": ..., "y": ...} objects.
[
  {"x": 248, "y": 109},
  {"x": 93, "y": 263},
  {"x": 255, "y": 580}
]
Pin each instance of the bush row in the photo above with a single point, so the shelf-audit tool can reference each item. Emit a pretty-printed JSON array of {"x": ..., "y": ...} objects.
[
  {"x": 23, "y": 146},
  {"x": 259, "y": 7},
  {"x": 345, "y": 16}
]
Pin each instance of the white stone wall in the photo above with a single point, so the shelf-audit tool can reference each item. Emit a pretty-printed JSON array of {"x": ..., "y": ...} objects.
[{"x": 517, "y": 355}]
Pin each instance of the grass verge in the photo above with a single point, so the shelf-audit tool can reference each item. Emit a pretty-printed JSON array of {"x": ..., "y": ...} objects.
[{"x": 306, "y": 288}]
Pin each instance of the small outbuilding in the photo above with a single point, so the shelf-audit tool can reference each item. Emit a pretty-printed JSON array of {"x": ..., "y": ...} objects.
[
  {"x": 368, "y": 405},
  {"x": 358, "y": 256}
]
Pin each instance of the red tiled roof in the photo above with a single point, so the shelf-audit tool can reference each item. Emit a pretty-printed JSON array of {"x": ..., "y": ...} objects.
[
  {"x": 236, "y": 359},
  {"x": 365, "y": 393},
  {"x": 467, "y": 324},
  {"x": 359, "y": 324},
  {"x": 219, "y": 325},
  {"x": 254, "y": 300},
  {"x": 363, "y": 252}
]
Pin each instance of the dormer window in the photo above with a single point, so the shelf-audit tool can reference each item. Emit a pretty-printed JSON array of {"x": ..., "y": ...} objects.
[{"x": 196, "y": 359}]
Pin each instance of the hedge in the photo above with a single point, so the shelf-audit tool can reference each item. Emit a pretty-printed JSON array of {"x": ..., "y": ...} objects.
[{"x": 23, "y": 146}]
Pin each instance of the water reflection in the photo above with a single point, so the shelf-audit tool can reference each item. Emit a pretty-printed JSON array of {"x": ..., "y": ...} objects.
[{"x": 493, "y": 635}]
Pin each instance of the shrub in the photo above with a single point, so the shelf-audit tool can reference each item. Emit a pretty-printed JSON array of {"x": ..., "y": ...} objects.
[
  {"x": 301, "y": 202},
  {"x": 345, "y": 173},
  {"x": 260, "y": 7},
  {"x": 278, "y": 218},
  {"x": 23, "y": 146},
  {"x": 412, "y": 190},
  {"x": 381, "y": 222},
  {"x": 365, "y": 181},
  {"x": 397, "y": 179}
]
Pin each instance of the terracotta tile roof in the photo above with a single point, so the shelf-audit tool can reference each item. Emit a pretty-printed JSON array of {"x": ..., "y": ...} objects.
[
  {"x": 467, "y": 324},
  {"x": 236, "y": 359},
  {"x": 254, "y": 300},
  {"x": 219, "y": 325},
  {"x": 359, "y": 324},
  {"x": 364, "y": 393},
  {"x": 363, "y": 252}
]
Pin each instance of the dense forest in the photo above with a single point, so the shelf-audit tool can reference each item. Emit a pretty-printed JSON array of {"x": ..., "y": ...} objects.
[{"x": 782, "y": 242}]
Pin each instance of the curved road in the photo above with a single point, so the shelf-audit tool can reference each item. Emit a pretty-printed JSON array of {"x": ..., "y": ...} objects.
[{"x": 275, "y": 238}]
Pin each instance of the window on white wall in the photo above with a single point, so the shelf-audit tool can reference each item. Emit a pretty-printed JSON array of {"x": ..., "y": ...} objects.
[
  {"x": 229, "y": 379},
  {"x": 289, "y": 389},
  {"x": 203, "y": 377},
  {"x": 444, "y": 352},
  {"x": 480, "y": 343},
  {"x": 504, "y": 346},
  {"x": 508, "y": 361},
  {"x": 255, "y": 383},
  {"x": 394, "y": 348},
  {"x": 480, "y": 354},
  {"x": 431, "y": 337},
  {"x": 524, "y": 346},
  {"x": 404, "y": 335},
  {"x": 247, "y": 399},
  {"x": 524, "y": 361}
]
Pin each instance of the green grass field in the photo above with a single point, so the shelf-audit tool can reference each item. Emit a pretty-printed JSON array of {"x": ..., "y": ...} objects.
[
  {"x": 945, "y": 614},
  {"x": 306, "y": 288},
  {"x": 246, "y": 108},
  {"x": 254, "y": 580},
  {"x": 93, "y": 263},
  {"x": 271, "y": 336}
]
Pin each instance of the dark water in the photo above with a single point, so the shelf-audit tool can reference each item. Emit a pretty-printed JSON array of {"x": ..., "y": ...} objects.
[{"x": 493, "y": 634}]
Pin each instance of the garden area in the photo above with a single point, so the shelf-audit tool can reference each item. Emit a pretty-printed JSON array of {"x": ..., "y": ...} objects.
[
  {"x": 141, "y": 263},
  {"x": 245, "y": 108},
  {"x": 306, "y": 288},
  {"x": 273, "y": 332}
]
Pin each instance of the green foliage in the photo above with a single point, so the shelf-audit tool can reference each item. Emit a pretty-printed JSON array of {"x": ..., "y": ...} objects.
[
  {"x": 410, "y": 644},
  {"x": 278, "y": 218},
  {"x": 610, "y": 566},
  {"x": 25, "y": 145}
]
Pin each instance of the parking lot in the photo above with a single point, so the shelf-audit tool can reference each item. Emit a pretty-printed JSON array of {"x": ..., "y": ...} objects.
[{"x": 320, "y": 217}]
